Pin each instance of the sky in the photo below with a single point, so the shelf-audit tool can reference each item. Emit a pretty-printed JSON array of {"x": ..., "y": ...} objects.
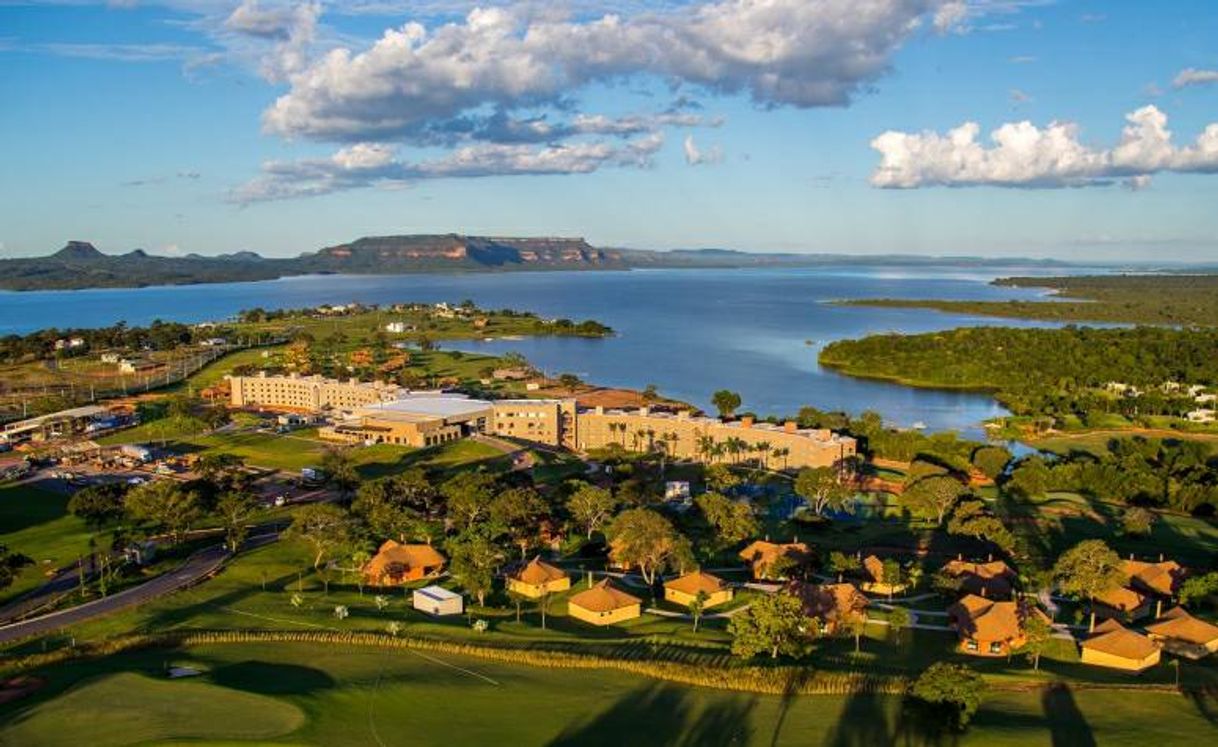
[{"x": 1075, "y": 129}]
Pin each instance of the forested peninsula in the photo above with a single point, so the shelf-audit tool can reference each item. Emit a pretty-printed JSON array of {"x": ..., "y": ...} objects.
[{"x": 1174, "y": 300}]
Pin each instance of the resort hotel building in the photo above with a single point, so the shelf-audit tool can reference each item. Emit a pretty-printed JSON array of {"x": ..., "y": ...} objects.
[{"x": 386, "y": 413}]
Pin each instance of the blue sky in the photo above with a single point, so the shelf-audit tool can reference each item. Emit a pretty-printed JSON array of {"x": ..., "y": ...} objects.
[{"x": 206, "y": 126}]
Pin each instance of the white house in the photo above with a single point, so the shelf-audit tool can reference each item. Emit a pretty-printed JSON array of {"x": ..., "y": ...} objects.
[
  {"x": 398, "y": 328},
  {"x": 1202, "y": 416},
  {"x": 438, "y": 601}
]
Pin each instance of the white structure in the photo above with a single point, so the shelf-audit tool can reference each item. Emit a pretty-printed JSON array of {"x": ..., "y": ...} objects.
[
  {"x": 438, "y": 601},
  {"x": 1202, "y": 416},
  {"x": 398, "y": 328}
]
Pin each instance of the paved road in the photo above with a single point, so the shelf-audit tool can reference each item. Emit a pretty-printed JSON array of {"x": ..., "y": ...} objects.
[{"x": 196, "y": 568}]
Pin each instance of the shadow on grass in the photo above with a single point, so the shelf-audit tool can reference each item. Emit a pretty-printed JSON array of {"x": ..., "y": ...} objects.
[
  {"x": 269, "y": 678},
  {"x": 1067, "y": 725},
  {"x": 660, "y": 714}
]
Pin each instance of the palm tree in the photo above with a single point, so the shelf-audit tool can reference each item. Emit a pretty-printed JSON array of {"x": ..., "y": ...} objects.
[
  {"x": 637, "y": 437},
  {"x": 763, "y": 449},
  {"x": 705, "y": 445},
  {"x": 783, "y": 453},
  {"x": 651, "y": 439}
]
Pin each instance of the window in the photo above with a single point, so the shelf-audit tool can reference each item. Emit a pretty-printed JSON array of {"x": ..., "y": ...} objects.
[
  {"x": 970, "y": 645},
  {"x": 995, "y": 648}
]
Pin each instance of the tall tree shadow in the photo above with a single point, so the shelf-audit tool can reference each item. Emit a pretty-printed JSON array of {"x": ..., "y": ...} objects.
[
  {"x": 1067, "y": 725},
  {"x": 661, "y": 714}
]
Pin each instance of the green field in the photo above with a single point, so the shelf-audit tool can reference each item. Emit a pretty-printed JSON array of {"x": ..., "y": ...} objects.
[
  {"x": 36, "y": 523},
  {"x": 302, "y": 694}
]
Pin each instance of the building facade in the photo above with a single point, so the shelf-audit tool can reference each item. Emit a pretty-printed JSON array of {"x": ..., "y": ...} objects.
[
  {"x": 387, "y": 413},
  {"x": 308, "y": 393}
]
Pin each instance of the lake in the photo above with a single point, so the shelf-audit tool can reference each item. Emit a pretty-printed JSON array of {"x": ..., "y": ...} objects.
[{"x": 689, "y": 332}]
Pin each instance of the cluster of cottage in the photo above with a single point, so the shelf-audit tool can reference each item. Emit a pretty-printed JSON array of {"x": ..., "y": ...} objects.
[
  {"x": 990, "y": 618},
  {"x": 376, "y": 412}
]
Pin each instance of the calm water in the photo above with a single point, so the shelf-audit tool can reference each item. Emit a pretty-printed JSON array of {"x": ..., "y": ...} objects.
[{"x": 690, "y": 332}]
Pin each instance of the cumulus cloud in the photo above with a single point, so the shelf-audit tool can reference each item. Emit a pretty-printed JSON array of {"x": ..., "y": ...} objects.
[
  {"x": 1024, "y": 155},
  {"x": 1191, "y": 76},
  {"x": 800, "y": 53},
  {"x": 377, "y": 164},
  {"x": 694, "y": 156},
  {"x": 291, "y": 29}
]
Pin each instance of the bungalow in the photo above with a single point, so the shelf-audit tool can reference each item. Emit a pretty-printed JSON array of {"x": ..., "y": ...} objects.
[
  {"x": 604, "y": 605},
  {"x": 1160, "y": 579},
  {"x": 1122, "y": 603},
  {"x": 834, "y": 605},
  {"x": 684, "y": 590},
  {"x": 1115, "y": 646},
  {"x": 438, "y": 601},
  {"x": 137, "y": 365},
  {"x": 987, "y": 627},
  {"x": 874, "y": 567},
  {"x": 396, "y": 563},
  {"x": 1185, "y": 635},
  {"x": 994, "y": 579},
  {"x": 538, "y": 578},
  {"x": 769, "y": 560}
]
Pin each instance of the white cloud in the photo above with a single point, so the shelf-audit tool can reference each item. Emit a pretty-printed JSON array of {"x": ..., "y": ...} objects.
[
  {"x": 779, "y": 52},
  {"x": 695, "y": 156},
  {"x": 1024, "y": 155},
  {"x": 1191, "y": 76},
  {"x": 291, "y": 29},
  {"x": 376, "y": 164}
]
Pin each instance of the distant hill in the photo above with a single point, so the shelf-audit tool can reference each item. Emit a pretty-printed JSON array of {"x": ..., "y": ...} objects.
[{"x": 80, "y": 265}]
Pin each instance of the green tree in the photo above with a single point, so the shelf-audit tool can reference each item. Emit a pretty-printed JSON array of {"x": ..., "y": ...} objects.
[
  {"x": 570, "y": 382},
  {"x": 1038, "y": 633},
  {"x": 235, "y": 509},
  {"x": 642, "y": 538},
  {"x": 340, "y": 470},
  {"x": 953, "y": 689},
  {"x": 473, "y": 558},
  {"x": 98, "y": 505},
  {"x": 222, "y": 471},
  {"x": 591, "y": 506},
  {"x": 1137, "y": 521},
  {"x": 1030, "y": 479},
  {"x": 932, "y": 497},
  {"x": 1087, "y": 570},
  {"x": 720, "y": 478},
  {"x": 697, "y": 606},
  {"x": 1198, "y": 588},
  {"x": 518, "y": 512},
  {"x": 726, "y": 402},
  {"x": 822, "y": 488},
  {"x": 842, "y": 563},
  {"x": 991, "y": 460},
  {"x": 324, "y": 527},
  {"x": 773, "y": 623},
  {"x": 468, "y": 497},
  {"x": 165, "y": 504},
  {"x": 730, "y": 521},
  {"x": 970, "y": 518},
  {"x": 10, "y": 563},
  {"x": 385, "y": 510},
  {"x": 899, "y": 620}
]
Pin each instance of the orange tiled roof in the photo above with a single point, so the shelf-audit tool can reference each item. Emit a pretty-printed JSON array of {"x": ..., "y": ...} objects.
[
  {"x": 991, "y": 570},
  {"x": 1122, "y": 599},
  {"x": 1114, "y": 639},
  {"x": 1177, "y": 623},
  {"x": 990, "y": 620},
  {"x": 539, "y": 572},
  {"x": 407, "y": 556},
  {"x": 692, "y": 583},
  {"x": 1160, "y": 578},
  {"x": 831, "y": 602},
  {"x": 874, "y": 567},
  {"x": 764, "y": 552},
  {"x": 603, "y": 598}
]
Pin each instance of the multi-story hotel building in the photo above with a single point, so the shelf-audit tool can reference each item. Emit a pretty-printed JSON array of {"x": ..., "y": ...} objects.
[
  {"x": 308, "y": 393},
  {"x": 380, "y": 413}
]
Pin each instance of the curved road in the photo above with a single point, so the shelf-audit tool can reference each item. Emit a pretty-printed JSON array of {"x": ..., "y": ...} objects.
[{"x": 197, "y": 567}]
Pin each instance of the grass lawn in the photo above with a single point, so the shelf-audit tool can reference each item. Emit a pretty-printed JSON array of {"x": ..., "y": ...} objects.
[
  {"x": 36, "y": 522},
  {"x": 302, "y": 694}
]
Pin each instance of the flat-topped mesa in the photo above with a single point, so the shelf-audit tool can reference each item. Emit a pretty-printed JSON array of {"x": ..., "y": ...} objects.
[{"x": 455, "y": 250}]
